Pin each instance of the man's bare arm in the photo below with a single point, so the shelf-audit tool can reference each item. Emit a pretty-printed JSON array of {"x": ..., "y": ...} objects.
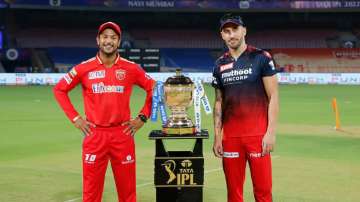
[
  {"x": 271, "y": 88},
  {"x": 218, "y": 112},
  {"x": 217, "y": 148}
]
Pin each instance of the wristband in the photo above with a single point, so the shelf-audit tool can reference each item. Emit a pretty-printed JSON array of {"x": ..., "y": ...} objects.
[{"x": 142, "y": 117}]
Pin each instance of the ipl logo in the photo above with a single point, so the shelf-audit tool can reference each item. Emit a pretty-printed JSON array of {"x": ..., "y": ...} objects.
[
  {"x": 184, "y": 174},
  {"x": 186, "y": 163},
  {"x": 170, "y": 166}
]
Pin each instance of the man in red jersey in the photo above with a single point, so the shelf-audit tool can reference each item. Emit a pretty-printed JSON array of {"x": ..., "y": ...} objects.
[
  {"x": 245, "y": 112},
  {"x": 107, "y": 81}
]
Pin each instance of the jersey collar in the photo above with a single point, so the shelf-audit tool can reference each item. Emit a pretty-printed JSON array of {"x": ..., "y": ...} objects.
[
  {"x": 99, "y": 62},
  {"x": 248, "y": 49}
]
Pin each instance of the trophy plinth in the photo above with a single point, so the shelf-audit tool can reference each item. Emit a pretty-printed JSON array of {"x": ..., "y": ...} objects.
[{"x": 178, "y": 92}]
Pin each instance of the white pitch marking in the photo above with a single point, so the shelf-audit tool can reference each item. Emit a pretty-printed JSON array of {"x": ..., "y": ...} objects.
[
  {"x": 212, "y": 170},
  {"x": 144, "y": 184},
  {"x": 75, "y": 199}
]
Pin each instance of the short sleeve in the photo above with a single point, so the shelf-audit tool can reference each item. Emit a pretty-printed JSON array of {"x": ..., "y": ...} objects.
[
  {"x": 216, "y": 82},
  {"x": 268, "y": 65}
]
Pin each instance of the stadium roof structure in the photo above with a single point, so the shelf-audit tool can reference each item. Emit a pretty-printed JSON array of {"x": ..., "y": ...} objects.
[{"x": 190, "y": 5}]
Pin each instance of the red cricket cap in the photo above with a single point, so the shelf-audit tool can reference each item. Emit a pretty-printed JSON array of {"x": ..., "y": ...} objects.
[{"x": 110, "y": 25}]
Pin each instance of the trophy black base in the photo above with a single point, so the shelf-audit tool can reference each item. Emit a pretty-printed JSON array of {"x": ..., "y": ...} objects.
[
  {"x": 179, "y": 175},
  {"x": 178, "y": 130},
  {"x": 179, "y": 194}
]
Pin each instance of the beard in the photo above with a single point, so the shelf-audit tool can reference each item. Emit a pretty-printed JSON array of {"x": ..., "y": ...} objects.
[{"x": 234, "y": 43}]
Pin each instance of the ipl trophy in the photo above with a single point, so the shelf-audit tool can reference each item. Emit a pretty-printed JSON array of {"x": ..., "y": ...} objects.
[
  {"x": 178, "y": 96},
  {"x": 179, "y": 175}
]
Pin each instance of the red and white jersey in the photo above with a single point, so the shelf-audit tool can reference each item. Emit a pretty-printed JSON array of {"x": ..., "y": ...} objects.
[{"x": 106, "y": 91}]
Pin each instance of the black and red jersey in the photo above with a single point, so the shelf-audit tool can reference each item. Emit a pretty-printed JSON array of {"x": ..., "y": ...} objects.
[{"x": 245, "y": 102}]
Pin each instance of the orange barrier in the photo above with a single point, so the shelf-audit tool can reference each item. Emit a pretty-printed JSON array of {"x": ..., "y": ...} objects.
[{"x": 337, "y": 115}]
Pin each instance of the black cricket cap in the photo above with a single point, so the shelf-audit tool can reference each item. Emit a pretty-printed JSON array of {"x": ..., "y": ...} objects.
[{"x": 230, "y": 18}]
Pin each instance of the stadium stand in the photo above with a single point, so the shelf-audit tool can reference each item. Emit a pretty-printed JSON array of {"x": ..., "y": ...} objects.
[
  {"x": 65, "y": 57},
  {"x": 2, "y": 69},
  {"x": 179, "y": 38},
  {"x": 211, "y": 39},
  {"x": 46, "y": 37},
  {"x": 73, "y": 55},
  {"x": 43, "y": 38},
  {"x": 194, "y": 59},
  {"x": 290, "y": 38},
  {"x": 189, "y": 49},
  {"x": 188, "y": 40}
]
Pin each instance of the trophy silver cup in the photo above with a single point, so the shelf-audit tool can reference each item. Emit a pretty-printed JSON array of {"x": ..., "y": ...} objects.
[{"x": 178, "y": 93}]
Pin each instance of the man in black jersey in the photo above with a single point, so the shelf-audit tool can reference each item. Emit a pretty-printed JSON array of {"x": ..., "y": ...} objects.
[{"x": 245, "y": 112}]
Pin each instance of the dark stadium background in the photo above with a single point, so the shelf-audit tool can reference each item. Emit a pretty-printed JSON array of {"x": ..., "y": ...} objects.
[
  {"x": 54, "y": 38},
  {"x": 313, "y": 42}
]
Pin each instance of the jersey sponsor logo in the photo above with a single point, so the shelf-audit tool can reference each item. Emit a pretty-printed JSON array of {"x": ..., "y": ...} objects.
[
  {"x": 120, "y": 74},
  {"x": 237, "y": 72},
  {"x": 236, "y": 75},
  {"x": 101, "y": 88},
  {"x": 73, "y": 72},
  {"x": 68, "y": 79},
  {"x": 70, "y": 76},
  {"x": 227, "y": 66},
  {"x": 231, "y": 155},
  {"x": 129, "y": 159},
  {"x": 255, "y": 155},
  {"x": 96, "y": 74}
]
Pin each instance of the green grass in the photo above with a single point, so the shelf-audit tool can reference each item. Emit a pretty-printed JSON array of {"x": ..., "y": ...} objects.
[{"x": 40, "y": 150}]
